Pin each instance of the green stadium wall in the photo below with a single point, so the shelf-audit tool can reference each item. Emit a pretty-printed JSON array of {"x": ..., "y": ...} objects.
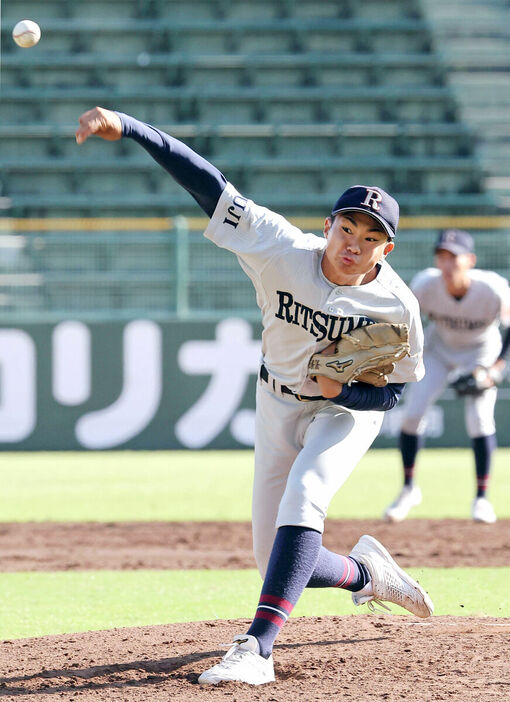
[{"x": 155, "y": 385}]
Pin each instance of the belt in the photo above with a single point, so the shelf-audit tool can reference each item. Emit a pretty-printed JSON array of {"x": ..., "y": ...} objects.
[{"x": 264, "y": 375}]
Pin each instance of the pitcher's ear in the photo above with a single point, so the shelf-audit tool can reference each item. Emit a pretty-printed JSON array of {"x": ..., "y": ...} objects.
[{"x": 388, "y": 248}]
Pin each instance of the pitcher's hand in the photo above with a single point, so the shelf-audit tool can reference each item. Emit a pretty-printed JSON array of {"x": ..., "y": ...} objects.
[
  {"x": 328, "y": 387},
  {"x": 101, "y": 122}
]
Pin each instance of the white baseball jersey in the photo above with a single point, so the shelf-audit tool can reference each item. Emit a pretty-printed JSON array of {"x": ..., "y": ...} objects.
[
  {"x": 469, "y": 323},
  {"x": 461, "y": 334},
  {"x": 304, "y": 451},
  {"x": 302, "y": 311}
]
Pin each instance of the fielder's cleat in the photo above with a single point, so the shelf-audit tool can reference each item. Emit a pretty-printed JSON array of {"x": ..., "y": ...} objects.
[
  {"x": 409, "y": 497},
  {"x": 388, "y": 582},
  {"x": 241, "y": 663},
  {"x": 483, "y": 511}
]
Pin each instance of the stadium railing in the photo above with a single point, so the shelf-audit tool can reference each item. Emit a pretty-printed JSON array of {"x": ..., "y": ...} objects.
[
  {"x": 327, "y": 138},
  {"x": 231, "y": 35},
  {"x": 162, "y": 104},
  {"x": 198, "y": 70},
  {"x": 150, "y": 204},
  {"x": 211, "y": 9},
  {"x": 163, "y": 268}
]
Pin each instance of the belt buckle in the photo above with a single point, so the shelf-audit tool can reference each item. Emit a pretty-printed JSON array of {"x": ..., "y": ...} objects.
[{"x": 301, "y": 398}]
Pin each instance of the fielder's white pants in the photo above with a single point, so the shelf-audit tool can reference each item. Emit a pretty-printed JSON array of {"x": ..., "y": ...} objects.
[
  {"x": 478, "y": 410},
  {"x": 304, "y": 452}
]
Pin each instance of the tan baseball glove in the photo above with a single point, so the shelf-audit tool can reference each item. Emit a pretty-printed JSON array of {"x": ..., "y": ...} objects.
[{"x": 367, "y": 354}]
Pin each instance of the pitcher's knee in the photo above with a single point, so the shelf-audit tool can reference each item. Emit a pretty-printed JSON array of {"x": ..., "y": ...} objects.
[{"x": 305, "y": 513}]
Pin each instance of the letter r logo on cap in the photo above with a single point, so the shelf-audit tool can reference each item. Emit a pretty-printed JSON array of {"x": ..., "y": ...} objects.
[{"x": 372, "y": 199}]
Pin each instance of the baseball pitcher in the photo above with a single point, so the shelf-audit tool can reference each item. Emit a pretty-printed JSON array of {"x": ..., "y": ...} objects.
[{"x": 342, "y": 335}]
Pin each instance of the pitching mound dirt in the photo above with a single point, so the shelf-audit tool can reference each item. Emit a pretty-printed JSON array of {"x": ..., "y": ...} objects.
[
  {"x": 360, "y": 657},
  {"x": 191, "y": 545}
]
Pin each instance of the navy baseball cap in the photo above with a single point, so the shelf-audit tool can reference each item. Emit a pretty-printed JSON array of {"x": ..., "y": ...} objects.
[
  {"x": 372, "y": 201},
  {"x": 456, "y": 241}
]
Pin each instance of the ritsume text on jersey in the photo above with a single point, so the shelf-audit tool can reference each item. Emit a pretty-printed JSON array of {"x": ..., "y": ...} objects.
[{"x": 319, "y": 324}]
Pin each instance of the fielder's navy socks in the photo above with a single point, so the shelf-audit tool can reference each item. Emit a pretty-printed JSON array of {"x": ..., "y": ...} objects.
[
  {"x": 410, "y": 444},
  {"x": 292, "y": 566},
  {"x": 483, "y": 446}
]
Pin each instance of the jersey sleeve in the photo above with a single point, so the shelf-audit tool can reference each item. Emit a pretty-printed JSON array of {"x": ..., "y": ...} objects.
[
  {"x": 420, "y": 285},
  {"x": 502, "y": 289},
  {"x": 254, "y": 233},
  {"x": 411, "y": 367}
]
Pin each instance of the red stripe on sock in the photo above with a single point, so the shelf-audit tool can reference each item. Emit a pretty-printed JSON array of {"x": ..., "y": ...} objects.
[
  {"x": 349, "y": 570},
  {"x": 344, "y": 573},
  {"x": 351, "y": 576},
  {"x": 279, "y": 601},
  {"x": 270, "y": 617}
]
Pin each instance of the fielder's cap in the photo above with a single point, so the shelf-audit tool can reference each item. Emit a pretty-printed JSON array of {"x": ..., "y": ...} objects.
[
  {"x": 374, "y": 202},
  {"x": 456, "y": 241}
]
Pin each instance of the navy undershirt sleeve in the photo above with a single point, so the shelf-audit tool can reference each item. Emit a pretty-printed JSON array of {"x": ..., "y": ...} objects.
[
  {"x": 362, "y": 396},
  {"x": 199, "y": 177}
]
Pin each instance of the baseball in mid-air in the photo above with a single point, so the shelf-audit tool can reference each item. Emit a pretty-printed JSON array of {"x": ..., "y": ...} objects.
[{"x": 26, "y": 33}]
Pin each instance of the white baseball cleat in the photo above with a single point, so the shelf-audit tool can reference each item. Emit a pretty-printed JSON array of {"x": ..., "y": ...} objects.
[
  {"x": 409, "y": 497},
  {"x": 241, "y": 663},
  {"x": 483, "y": 511},
  {"x": 389, "y": 582}
]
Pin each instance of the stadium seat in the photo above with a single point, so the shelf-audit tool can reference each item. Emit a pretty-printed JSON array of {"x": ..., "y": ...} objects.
[
  {"x": 231, "y": 35},
  {"x": 208, "y": 70},
  {"x": 311, "y": 95}
]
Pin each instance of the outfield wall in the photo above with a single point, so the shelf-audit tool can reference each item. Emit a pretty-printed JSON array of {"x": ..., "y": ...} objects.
[{"x": 155, "y": 385}]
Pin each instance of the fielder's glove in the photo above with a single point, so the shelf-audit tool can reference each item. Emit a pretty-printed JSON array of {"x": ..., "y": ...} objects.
[
  {"x": 475, "y": 382},
  {"x": 367, "y": 354}
]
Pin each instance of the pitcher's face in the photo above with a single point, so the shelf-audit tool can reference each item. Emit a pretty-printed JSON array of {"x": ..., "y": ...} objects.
[{"x": 356, "y": 242}]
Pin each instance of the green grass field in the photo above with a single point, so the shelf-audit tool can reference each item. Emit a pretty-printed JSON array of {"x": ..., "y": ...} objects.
[
  {"x": 208, "y": 486},
  {"x": 36, "y": 604},
  {"x": 216, "y": 485}
]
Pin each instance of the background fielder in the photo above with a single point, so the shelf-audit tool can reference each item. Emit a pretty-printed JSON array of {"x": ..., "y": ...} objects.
[
  {"x": 465, "y": 307},
  {"x": 310, "y": 292}
]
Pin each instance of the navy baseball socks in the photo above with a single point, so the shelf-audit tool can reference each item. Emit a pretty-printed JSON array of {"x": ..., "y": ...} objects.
[
  {"x": 482, "y": 510},
  {"x": 410, "y": 494},
  {"x": 297, "y": 560},
  {"x": 483, "y": 446},
  {"x": 410, "y": 444}
]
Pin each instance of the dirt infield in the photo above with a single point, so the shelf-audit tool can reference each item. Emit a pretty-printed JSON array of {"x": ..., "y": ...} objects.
[
  {"x": 181, "y": 545},
  {"x": 359, "y": 658}
]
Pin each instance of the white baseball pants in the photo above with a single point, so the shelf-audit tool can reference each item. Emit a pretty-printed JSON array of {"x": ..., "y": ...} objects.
[
  {"x": 304, "y": 452},
  {"x": 478, "y": 410}
]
